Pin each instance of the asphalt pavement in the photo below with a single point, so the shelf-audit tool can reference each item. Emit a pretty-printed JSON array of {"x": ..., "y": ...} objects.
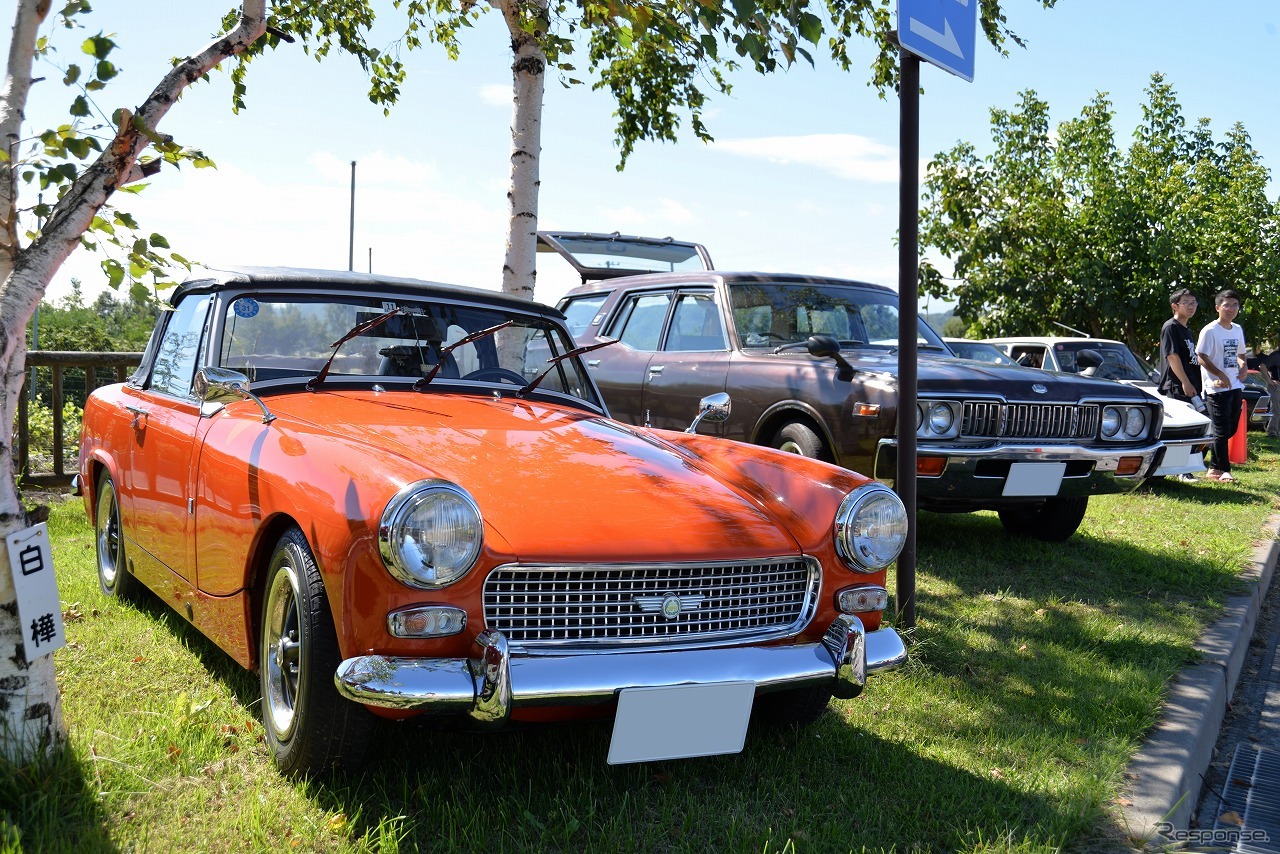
[{"x": 1208, "y": 775}]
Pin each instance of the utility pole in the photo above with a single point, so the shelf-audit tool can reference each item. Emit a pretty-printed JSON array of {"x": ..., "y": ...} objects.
[{"x": 351, "y": 234}]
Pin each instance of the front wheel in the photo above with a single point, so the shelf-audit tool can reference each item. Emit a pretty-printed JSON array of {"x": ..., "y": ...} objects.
[
  {"x": 797, "y": 438},
  {"x": 1053, "y": 521},
  {"x": 310, "y": 727}
]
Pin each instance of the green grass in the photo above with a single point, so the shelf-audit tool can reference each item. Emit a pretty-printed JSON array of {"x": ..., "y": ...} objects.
[{"x": 1035, "y": 671}]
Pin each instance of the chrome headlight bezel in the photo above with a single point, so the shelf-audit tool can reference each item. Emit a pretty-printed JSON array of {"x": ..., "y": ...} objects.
[
  {"x": 853, "y": 544},
  {"x": 403, "y": 555},
  {"x": 937, "y": 419},
  {"x": 1125, "y": 422}
]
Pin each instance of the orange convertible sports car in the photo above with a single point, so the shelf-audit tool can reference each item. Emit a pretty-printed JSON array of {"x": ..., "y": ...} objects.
[{"x": 399, "y": 497}]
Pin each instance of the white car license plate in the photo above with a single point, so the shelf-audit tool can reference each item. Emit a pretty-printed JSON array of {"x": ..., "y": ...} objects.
[
  {"x": 1176, "y": 456},
  {"x": 680, "y": 721},
  {"x": 1034, "y": 479}
]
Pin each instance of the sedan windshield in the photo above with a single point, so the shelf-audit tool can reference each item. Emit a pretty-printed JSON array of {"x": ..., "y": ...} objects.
[
  {"x": 769, "y": 314},
  {"x": 290, "y": 338},
  {"x": 1118, "y": 361}
]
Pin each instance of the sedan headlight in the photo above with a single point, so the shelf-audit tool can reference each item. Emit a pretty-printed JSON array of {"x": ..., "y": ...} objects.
[
  {"x": 430, "y": 534},
  {"x": 935, "y": 419},
  {"x": 1125, "y": 423},
  {"x": 871, "y": 528}
]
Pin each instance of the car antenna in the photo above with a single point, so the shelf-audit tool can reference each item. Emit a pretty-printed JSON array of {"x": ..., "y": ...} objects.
[{"x": 1069, "y": 329}]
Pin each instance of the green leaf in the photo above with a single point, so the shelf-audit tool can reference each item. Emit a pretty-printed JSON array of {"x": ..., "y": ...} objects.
[
  {"x": 98, "y": 46},
  {"x": 106, "y": 70},
  {"x": 810, "y": 27},
  {"x": 72, "y": 75},
  {"x": 745, "y": 9},
  {"x": 115, "y": 272},
  {"x": 80, "y": 106},
  {"x": 158, "y": 240}
]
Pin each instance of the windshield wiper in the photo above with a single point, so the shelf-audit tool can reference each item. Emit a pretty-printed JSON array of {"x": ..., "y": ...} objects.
[
  {"x": 555, "y": 360},
  {"x": 358, "y": 329},
  {"x": 446, "y": 350}
]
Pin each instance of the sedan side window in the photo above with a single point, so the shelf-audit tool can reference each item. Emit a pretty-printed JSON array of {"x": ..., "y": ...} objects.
[
  {"x": 179, "y": 348},
  {"x": 696, "y": 324},
  {"x": 1029, "y": 356},
  {"x": 640, "y": 324}
]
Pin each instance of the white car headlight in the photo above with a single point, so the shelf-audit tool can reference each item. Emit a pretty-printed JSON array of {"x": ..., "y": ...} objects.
[
  {"x": 430, "y": 534},
  {"x": 871, "y": 527},
  {"x": 1135, "y": 423},
  {"x": 935, "y": 419},
  {"x": 1110, "y": 422}
]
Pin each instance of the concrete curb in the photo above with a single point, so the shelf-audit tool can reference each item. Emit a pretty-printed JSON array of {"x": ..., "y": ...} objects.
[{"x": 1166, "y": 773}]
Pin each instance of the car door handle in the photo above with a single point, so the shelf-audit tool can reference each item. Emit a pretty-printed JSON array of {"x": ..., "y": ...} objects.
[
  {"x": 656, "y": 369},
  {"x": 139, "y": 415},
  {"x": 593, "y": 363}
]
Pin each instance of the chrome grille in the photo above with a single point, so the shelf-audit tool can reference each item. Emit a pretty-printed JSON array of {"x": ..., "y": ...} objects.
[
  {"x": 624, "y": 604},
  {"x": 999, "y": 420}
]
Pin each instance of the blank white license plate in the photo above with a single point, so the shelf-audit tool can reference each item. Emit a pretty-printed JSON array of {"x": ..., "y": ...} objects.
[
  {"x": 680, "y": 721},
  {"x": 1176, "y": 456},
  {"x": 1034, "y": 478}
]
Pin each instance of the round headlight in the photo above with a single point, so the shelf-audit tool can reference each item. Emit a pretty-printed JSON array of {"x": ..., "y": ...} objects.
[
  {"x": 1110, "y": 421},
  {"x": 871, "y": 527},
  {"x": 919, "y": 415},
  {"x": 940, "y": 418},
  {"x": 430, "y": 534},
  {"x": 1135, "y": 423}
]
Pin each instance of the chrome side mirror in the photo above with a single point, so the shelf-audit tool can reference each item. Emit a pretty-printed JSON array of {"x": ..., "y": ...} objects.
[
  {"x": 222, "y": 385},
  {"x": 714, "y": 408}
]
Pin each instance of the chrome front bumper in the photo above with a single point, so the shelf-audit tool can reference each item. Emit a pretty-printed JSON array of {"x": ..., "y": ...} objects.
[
  {"x": 489, "y": 686},
  {"x": 963, "y": 477}
]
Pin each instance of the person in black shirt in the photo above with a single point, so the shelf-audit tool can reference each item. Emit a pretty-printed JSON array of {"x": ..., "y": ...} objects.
[{"x": 1179, "y": 367}]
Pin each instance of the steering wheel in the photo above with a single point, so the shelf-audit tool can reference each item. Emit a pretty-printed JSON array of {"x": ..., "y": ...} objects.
[{"x": 497, "y": 375}]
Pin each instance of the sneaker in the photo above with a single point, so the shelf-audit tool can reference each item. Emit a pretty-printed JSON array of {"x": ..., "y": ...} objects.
[
  {"x": 1226, "y": 477},
  {"x": 1213, "y": 474},
  {"x": 1187, "y": 477}
]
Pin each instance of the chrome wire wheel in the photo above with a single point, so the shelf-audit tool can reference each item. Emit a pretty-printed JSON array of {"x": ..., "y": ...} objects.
[{"x": 282, "y": 651}]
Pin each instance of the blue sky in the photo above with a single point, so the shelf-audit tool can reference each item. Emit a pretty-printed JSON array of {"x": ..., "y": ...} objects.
[{"x": 802, "y": 176}]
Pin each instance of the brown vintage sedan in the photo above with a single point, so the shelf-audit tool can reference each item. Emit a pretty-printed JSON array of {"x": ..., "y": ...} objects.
[{"x": 811, "y": 364}]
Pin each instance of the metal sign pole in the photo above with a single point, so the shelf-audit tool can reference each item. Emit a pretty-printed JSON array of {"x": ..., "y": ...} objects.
[{"x": 908, "y": 243}]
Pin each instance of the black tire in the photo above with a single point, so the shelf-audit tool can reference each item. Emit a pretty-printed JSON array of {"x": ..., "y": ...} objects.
[
  {"x": 310, "y": 727},
  {"x": 796, "y": 707},
  {"x": 797, "y": 438},
  {"x": 113, "y": 566},
  {"x": 1054, "y": 521}
]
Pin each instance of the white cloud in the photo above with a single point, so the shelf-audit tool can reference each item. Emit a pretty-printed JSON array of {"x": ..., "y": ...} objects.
[
  {"x": 849, "y": 156},
  {"x": 496, "y": 95}
]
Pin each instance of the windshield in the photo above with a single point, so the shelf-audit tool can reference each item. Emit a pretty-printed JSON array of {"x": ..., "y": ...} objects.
[
  {"x": 1118, "y": 361},
  {"x": 979, "y": 351},
  {"x": 290, "y": 338},
  {"x": 769, "y": 314}
]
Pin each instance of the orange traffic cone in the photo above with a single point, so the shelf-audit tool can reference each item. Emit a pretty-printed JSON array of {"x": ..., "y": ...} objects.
[{"x": 1238, "y": 445}]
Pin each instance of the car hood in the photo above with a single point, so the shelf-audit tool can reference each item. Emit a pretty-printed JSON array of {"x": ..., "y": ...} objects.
[
  {"x": 939, "y": 375},
  {"x": 554, "y": 482}
]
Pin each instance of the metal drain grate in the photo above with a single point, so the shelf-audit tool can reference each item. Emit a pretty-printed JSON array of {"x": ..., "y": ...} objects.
[{"x": 1253, "y": 794}]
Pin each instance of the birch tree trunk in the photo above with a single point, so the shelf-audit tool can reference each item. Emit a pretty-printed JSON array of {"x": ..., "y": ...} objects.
[
  {"x": 30, "y": 717},
  {"x": 519, "y": 270}
]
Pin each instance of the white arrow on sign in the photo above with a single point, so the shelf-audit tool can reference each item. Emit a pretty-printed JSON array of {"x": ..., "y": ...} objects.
[{"x": 945, "y": 39}]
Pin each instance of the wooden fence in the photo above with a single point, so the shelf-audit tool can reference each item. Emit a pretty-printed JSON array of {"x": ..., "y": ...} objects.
[{"x": 95, "y": 369}]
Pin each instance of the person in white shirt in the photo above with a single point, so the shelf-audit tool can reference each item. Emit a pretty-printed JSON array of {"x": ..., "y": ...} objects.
[{"x": 1220, "y": 349}]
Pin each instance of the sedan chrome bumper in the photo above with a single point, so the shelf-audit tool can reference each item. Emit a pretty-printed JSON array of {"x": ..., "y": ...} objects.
[{"x": 490, "y": 686}]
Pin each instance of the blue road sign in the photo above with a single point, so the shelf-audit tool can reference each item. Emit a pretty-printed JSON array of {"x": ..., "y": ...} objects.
[{"x": 942, "y": 32}]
